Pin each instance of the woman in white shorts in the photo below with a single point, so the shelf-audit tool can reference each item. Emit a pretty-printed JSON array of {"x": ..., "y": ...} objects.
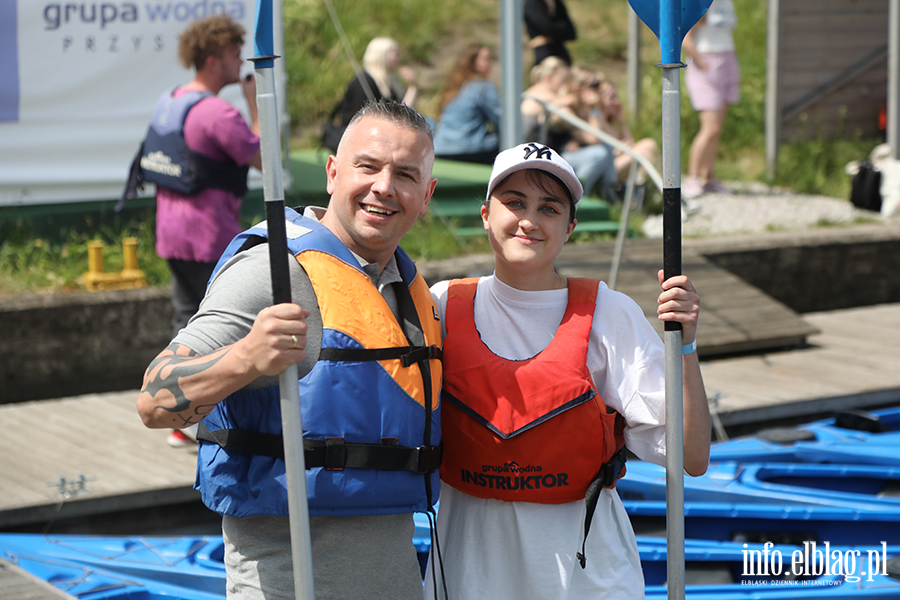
[{"x": 713, "y": 80}]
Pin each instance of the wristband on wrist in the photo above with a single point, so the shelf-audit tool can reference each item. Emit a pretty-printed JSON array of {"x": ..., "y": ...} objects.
[{"x": 689, "y": 348}]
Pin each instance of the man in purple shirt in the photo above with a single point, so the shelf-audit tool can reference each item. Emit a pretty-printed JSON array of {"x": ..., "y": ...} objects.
[
  {"x": 198, "y": 151},
  {"x": 193, "y": 230}
]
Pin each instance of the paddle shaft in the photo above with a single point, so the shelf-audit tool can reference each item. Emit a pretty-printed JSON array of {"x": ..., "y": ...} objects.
[
  {"x": 273, "y": 192},
  {"x": 670, "y": 38}
]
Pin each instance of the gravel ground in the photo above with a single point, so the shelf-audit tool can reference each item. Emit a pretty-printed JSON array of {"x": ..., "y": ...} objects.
[{"x": 755, "y": 207}]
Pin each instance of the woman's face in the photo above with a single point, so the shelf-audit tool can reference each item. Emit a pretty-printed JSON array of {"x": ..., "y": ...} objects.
[
  {"x": 609, "y": 100},
  {"x": 590, "y": 92},
  {"x": 393, "y": 59},
  {"x": 484, "y": 62},
  {"x": 559, "y": 77},
  {"x": 527, "y": 224}
]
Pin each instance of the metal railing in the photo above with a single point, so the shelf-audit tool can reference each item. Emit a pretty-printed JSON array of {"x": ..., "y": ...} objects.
[{"x": 602, "y": 135}]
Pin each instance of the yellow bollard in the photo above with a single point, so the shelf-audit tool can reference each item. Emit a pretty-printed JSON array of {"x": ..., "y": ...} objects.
[
  {"x": 95, "y": 256},
  {"x": 129, "y": 251},
  {"x": 130, "y": 277}
]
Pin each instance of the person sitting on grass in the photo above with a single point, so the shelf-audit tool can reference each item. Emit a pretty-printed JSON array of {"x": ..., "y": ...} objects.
[{"x": 469, "y": 125}]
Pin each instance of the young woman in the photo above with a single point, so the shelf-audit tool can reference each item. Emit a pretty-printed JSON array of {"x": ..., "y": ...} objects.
[
  {"x": 713, "y": 80},
  {"x": 469, "y": 107},
  {"x": 381, "y": 62},
  {"x": 592, "y": 158},
  {"x": 549, "y": 27},
  {"x": 545, "y": 378}
]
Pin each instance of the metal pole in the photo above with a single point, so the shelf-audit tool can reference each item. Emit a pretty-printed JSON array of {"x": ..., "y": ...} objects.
[
  {"x": 671, "y": 135},
  {"x": 281, "y": 82},
  {"x": 670, "y": 39},
  {"x": 773, "y": 106},
  {"x": 512, "y": 14},
  {"x": 623, "y": 227},
  {"x": 893, "y": 105},
  {"x": 634, "y": 64},
  {"x": 273, "y": 191}
]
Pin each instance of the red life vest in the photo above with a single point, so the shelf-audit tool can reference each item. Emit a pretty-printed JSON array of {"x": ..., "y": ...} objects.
[{"x": 533, "y": 430}]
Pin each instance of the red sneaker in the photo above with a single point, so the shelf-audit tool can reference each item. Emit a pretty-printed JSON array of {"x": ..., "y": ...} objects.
[{"x": 177, "y": 438}]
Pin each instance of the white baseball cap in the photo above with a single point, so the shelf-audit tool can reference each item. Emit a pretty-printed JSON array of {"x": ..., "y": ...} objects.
[{"x": 535, "y": 156}]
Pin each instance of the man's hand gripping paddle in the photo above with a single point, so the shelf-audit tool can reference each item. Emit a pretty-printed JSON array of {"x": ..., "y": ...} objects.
[{"x": 273, "y": 191}]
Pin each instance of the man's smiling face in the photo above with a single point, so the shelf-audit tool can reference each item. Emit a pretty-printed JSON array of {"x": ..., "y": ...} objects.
[{"x": 380, "y": 184}]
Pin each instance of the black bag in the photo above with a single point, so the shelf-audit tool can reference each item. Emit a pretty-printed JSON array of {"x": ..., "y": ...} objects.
[{"x": 865, "y": 191}]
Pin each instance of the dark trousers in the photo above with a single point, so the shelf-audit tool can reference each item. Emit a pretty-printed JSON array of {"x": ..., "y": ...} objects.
[
  {"x": 189, "y": 279},
  {"x": 557, "y": 49}
]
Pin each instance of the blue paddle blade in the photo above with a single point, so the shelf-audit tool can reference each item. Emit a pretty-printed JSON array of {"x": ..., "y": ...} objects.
[
  {"x": 670, "y": 20},
  {"x": 263, "y": 38}
]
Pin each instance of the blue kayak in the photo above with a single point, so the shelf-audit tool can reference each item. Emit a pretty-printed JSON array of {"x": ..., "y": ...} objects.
[
  {"x": 861, "y": 487},
  {"x": 122, "y": 568},
  {"x": 760, "y": 523},
  {"x": 852, "y": 437},
  {"x": 733, "y": 571},
  {"x": 141, "y": 568}
]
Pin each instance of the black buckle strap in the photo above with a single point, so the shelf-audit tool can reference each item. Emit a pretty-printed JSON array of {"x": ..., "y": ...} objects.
[
  {"x": 609, "y": 473},
  {"x": 332, "y": 454},
  {"x": 612, "y": 469},
  {"x": 242, "y": 440},
  {"x": 408, "y": 355},
  {"x": 418, "y": 354},
  {"x": 336, "y": 454}
]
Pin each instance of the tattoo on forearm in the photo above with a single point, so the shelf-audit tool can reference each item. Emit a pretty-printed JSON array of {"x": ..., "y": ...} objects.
[{"x": 165, "y": 373}]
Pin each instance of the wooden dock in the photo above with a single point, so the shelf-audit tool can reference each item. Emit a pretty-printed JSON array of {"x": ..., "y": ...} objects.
[
  {"x": 48, "y": 445},
  {"x": 854, "y": 362},
  {"x": 734, "y": 317}
]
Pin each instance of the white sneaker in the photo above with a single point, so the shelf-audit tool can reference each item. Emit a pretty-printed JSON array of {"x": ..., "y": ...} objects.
[
  {"x": 689, "y": 208},
  {"x": 691, "y": 188}
]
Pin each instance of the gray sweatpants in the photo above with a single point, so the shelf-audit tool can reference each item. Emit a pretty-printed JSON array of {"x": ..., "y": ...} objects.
[{"x": 364, "y": 558}]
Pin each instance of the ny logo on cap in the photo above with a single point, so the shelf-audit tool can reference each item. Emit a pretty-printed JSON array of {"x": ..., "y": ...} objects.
[{"x": 538, "y": 150}]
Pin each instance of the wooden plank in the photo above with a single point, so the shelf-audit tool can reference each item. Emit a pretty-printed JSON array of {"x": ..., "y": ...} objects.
[
  {"x": 17, "y": 584},
  {"x": 809, "y": 76},
  {"x": 49, "y": 431},
  {"x": 735, "y": 316},
  {"x": 126, "y": 458},
  {"x": 718, "y": 288},
  {"x": 842, "y": 26},
  {"x": 826, "y": 65},
  {"x": 800, "y": 7},
  {"x": 854, "y": 358}
]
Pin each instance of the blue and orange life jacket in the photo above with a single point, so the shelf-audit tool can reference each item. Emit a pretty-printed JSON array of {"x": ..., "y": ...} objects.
[{"x": 369, "y": 406}]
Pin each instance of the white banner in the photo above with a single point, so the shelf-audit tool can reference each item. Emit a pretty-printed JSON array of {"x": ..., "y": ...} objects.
[{"x": 85, "y": 78}]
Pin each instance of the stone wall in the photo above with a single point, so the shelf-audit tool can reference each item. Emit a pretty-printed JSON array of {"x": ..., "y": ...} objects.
[
  {"x": 816, "y": 270},
  {"x": 62, "y": 345}
]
